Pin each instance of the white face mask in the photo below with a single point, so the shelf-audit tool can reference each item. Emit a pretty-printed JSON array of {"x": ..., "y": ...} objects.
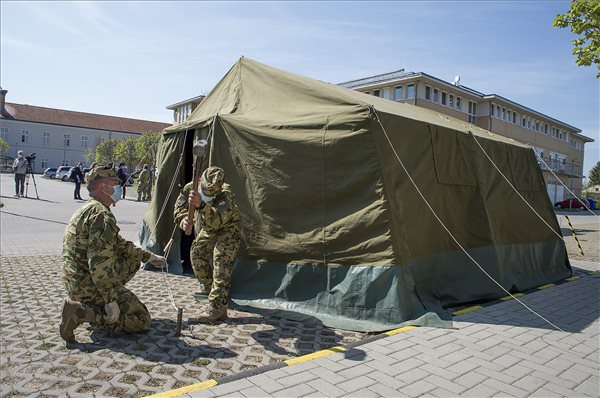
[{"x": 206, "y": 198}]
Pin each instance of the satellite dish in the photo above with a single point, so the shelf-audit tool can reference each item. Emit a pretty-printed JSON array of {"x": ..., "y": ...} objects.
[{"x": 457, "y": 80}]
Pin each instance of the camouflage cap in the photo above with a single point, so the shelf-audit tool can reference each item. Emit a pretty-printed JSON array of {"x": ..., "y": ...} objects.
[
  {"x": 102, "y": 171},
  {"x": 211, "y": 180}
]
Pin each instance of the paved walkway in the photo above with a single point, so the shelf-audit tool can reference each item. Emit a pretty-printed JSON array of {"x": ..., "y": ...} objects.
[{"x": 501, "y": 349}]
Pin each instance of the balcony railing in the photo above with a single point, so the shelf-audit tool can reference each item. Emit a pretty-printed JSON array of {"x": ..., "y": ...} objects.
[{"x": 557, "y": 166}]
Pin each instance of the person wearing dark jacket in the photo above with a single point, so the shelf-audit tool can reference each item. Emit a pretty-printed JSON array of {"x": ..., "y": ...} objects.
[
  {"x": 122, "y": 175},
  {"x": 77, "y": 177}
]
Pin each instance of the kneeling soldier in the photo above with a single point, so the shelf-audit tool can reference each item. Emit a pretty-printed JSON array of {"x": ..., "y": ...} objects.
[{"x": 98, "y": 262}]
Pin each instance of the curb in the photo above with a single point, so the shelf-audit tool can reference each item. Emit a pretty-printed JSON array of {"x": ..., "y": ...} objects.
[{"x": 333, "y": 350}]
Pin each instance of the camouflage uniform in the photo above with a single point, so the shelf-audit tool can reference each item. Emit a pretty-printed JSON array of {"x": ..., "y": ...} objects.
[
  {"x": 144, "y": 186},
  {"x": 219, "y": 238},
  {"x": 97, "y": 263}
]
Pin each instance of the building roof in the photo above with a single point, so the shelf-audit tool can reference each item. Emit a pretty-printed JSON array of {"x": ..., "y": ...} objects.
[
  {"x": 38, "y": 114},
  {"x": 187, "y": 101}
]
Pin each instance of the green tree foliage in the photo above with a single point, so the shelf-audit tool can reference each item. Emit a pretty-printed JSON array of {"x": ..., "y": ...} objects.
[
  {"x": 4, "y": 147},
  {"x": 584, "y": 19},
  {"x": 594, "y": 175},
  {"x": 125, "y": 152},
  {"x": 146, "y": 148},
  {"x": 105, "y": 151},
  {"x": 89, "y": 156}
]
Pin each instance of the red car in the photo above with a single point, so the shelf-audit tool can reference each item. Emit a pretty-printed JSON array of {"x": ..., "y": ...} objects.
[{"x": 572, "y": 203}]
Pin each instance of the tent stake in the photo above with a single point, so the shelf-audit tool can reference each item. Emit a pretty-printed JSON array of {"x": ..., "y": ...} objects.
[{"x": 179, "y": 318}]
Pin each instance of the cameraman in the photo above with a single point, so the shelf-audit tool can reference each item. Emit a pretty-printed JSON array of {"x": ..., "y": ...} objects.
[{"x": 20, "y": 168}]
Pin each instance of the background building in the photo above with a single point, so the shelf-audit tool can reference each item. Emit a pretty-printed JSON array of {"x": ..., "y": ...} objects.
[
  {"x": 60, "y": 137},
  {"x": 182, "y": 110},
  {"x": 558, "y": 145}
]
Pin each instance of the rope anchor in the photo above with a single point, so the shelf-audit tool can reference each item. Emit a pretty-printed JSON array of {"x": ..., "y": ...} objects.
[{"x": 574, "y": 235}]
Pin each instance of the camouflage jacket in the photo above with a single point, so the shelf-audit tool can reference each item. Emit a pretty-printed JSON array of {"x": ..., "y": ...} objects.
[
  {"x": 91, "y": 247},
  {"x": 219, "y": 215},
  {"x": 144, "y": 178}
]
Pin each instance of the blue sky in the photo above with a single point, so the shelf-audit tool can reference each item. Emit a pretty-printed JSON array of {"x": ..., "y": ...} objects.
[{"x": 133, "y": 59}]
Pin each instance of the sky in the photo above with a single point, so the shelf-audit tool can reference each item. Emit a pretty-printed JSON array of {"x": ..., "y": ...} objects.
[{"x": 132, "y": 59}]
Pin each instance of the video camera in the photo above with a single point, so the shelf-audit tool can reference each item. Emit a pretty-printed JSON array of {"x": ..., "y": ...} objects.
[{"x": 30, "y": 157}]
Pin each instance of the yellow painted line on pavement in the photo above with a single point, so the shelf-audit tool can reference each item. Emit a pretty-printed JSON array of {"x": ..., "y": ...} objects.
[
  {"x": 573, "y": 278},
  {"x": 185, "y": 390},
  {"x": 549, "y": 285},
  {"x": 512, "y": 297},
  {"x": 314, "y": 355},
  {"x": 468, "y": 309},
  {"x": 400, "y": 330}
]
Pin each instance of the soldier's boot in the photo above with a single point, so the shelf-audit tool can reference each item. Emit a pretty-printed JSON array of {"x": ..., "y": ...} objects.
[
  {"x": 139, "y": 199},
  {"x": 73, "y": 314},
  {"x": 213, "y": 314}
]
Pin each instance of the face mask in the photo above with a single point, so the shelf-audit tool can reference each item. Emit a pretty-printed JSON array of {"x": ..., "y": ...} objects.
[
  {"x": 206, "y": 198},
  {"x": 117, "y": 193}
]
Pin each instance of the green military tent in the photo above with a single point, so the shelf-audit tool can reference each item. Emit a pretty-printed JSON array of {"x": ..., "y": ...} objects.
[{"x": 353, "y": 205}]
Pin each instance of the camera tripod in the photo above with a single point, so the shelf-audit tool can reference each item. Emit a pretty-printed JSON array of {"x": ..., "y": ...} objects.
[{"x": 29, "y": 172}]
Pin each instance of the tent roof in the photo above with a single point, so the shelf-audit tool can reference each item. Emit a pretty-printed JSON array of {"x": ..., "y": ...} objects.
[{"x": 265, "y": 93}]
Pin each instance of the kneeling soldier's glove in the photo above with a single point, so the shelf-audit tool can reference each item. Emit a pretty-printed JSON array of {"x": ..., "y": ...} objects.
[
  {"x": 157, "y": 261},
  {"x": 112, "y": 312}
]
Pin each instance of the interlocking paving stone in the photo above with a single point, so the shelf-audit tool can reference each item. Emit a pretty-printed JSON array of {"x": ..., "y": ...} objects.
[{"x": 35, "y": 360}]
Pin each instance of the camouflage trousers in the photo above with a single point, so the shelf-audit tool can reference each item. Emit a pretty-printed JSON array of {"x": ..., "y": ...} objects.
[
  {"x": 143, "y": 191},
  {"x": 134, "y": 317},
  {"x": 222, "y": 248}
]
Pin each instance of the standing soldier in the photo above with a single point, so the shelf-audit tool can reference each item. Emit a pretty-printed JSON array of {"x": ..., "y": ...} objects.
[
  {"x": 217, "y": 224},
  {"x": 143, "y": 188},
  {"x": 98, "y": 262}
]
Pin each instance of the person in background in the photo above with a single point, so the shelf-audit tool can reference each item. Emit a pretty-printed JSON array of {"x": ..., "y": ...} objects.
[
  {"x": 122, "y": 175},
  {"x": 98, "y": 263},
  {"x": 77, "y": 177},
  {"x": 20, "y": 168},
  {"x": 144, "y": 185}
]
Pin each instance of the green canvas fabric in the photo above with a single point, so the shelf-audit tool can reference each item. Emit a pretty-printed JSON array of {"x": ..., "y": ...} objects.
[{"x": 335, "y": 230}]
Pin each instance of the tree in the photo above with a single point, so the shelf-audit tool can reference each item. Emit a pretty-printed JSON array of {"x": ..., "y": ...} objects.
[
  {"x": 89, "y": 156},
  {"x": 125, "y": 151},
  {"x": 4, "y": 147},
  {"x": 594, "y": 175},
  {"x": 105, "y": 151},
  {"x": 146, "y": 147},
  {"x": 584, "y": 19}
]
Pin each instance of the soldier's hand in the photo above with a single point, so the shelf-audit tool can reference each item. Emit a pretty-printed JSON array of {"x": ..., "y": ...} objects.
[
  {"x": 195, "y": 199},
  {"x": 112, "y": 312},
  {"x": 157, "y": 261},
  {"x": 186, "y": 225}
]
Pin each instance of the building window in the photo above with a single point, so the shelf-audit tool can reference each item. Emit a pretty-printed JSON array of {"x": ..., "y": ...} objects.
[
  {"x": 67, "y": 142},
  {"x": 4, "y": 133},
  {"x": 537, "y": 126},
  {"x": 24, "y": 135},
  {"x": 545, "y": 129},
  {"x": 428, "y": 93},
  {"x": 410, "y": 91},
  {"x": 514, "y": 118},
  {"x": 451, "y": 101},
  {"x": 387, "y": 93},
  {"x": 44, "y": 163},
  {"x": 46, "y": 138},
  {"x": 524, "y": 122},
  {"x": 443, "y": 98},
  {"x": 473, "y": 112},
  {"x": 528, "y": 123},
  {"x": 376, "y": 93},
  {"x": 436, "y": 95},
  {"x": 459, "y": 103},
  {"x": 508, "y": 115},
  {"x": 398, "y": 93},
  {"x": 84, "y": 141}
]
